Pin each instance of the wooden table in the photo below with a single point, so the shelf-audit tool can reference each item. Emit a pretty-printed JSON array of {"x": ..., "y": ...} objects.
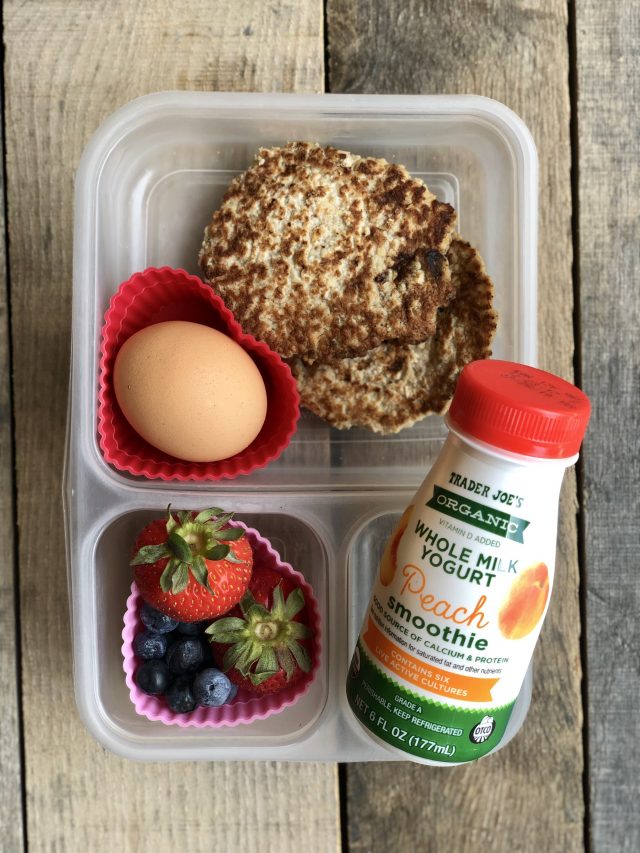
[{"x": 570, "y": 780}]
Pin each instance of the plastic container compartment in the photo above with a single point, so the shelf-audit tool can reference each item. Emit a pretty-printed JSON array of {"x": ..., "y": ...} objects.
[{"x": 146, "y": 187}]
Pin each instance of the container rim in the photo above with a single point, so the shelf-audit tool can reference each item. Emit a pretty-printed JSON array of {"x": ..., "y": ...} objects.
[{"x": 138, "y": 109}]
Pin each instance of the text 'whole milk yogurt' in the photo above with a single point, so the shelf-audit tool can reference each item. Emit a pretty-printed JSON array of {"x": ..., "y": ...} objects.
[{"x": 464, "y": 582}]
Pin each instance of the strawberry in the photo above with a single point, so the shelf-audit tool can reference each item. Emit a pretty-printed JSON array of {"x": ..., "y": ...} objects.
[
  {"x": 262, "y": 644},
  {"x": 193, "y": 566}
]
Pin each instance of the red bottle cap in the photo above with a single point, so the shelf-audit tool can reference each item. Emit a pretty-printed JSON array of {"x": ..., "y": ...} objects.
[{"x": 520, "y": 409}]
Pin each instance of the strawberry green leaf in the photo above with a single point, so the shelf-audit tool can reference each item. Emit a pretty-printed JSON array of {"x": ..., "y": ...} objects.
[
  {"x": 150, "y": 554},
  {"x": 256, "y": 612},
  {"x": 298, "y": 631},
  {"x": 232, "y": 534},
  {"x": 231, "y": 636},
  {"x": 171, "y": 522},
  {"x": 295, "y": 603},
  {"x": 301, "y": 655},
  {"x": 228, "y": 623},
  {"x": 218, "y": 552},
  {"x": 231, "y": 558},
  {"x": 286, "y": 661},
  {"x": 250, "y": 653},
  {"x": 180, "y": 579},
  {"x": 267, "y": 662},
  {"x": 199, "y": 571},
  {"x": 232, "y": 654},
  {"x": 207, "y": 514},
  {"x": 220, "y": 522},
  {"x": 179, "y": 547},
  {"x": 229, "y": 630},
  {"x": 167, "y": 575},
  {"x": 278, "y": 603},
  {"x": 247, "y": 602},
  {"x": 184, "y": 516}
]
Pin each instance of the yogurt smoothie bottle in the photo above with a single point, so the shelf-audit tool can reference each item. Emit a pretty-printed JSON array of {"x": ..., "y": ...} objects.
[{"x": 464, "y": 582}]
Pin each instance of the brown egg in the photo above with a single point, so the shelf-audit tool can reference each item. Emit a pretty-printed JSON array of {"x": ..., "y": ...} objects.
[{"x": 190, "y": 391}]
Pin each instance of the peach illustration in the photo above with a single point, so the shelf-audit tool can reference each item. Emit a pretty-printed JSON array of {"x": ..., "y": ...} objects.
[
  {"x": 525, "y": 603},
  {"x": 389, "y": 557}
]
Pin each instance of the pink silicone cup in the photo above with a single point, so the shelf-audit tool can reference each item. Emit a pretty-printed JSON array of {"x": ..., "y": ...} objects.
[
  {"x": 158, "y": 295},
  {"x": 246, "y": 707}
]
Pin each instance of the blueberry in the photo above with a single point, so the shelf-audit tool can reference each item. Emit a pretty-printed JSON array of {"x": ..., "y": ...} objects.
[
  {"x": 156, "y": 621},
  {"x": 192, "y": 629},
  {"x": 185, "y": 655},
  {"x": 150, "y": 646},
  {"x": 234, "y": 692},
  {"x": 211, "y": 688},
  {"x": 180, "y": 696},
  {"x": 153, "y": 677}
]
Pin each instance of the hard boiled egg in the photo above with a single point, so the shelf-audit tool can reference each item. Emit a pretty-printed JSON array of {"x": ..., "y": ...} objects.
[{"x": 190, "y": 391}]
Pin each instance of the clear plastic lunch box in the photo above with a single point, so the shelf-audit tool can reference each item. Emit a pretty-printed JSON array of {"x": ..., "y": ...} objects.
[{"x": 145, "y": 189}]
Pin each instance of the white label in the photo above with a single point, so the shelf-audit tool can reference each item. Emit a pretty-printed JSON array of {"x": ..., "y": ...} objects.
[
  {"x": 465, "y": 581},
  {"x": 462, "y": 590}
]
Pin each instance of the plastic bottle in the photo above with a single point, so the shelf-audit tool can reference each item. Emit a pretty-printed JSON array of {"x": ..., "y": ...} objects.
[{"x": 464, "y": 582}]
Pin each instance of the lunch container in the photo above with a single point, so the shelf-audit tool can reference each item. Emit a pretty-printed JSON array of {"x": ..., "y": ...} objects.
[{"x": 146, "y": 187}]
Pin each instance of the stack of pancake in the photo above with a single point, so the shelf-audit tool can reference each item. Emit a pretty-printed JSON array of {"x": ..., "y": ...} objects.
[{"x": 350, "y": 269}]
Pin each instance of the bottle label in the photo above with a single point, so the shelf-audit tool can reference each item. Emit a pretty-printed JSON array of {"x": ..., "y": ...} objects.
[{"x": 462, "y": 590}]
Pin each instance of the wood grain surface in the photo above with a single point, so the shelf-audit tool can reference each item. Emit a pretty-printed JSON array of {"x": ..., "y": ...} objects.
[
  {"x": 67, "y": 67},
  {"x": 608, "y": 83},
  {"x": 10, "y": 757},
  {"x": 530, "y": 796}
]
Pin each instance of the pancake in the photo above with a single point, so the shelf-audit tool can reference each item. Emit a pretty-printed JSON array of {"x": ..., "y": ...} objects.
[
  {"x": 394, "y": 385},
  {"x": 325, "y": 254}
]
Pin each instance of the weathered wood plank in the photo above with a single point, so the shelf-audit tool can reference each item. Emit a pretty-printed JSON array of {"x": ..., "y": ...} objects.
[
  {"x": 10, "y": 761},
  {"x": 68, "y": 65},
  {"x": 530, "y": 796},
  {"x": 608, "y": 85}
]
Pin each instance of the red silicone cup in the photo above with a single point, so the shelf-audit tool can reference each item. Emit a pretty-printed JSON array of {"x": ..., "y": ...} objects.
[
  {"x": 158, "y": 295},
  {"x": 246, "y": 707}
]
